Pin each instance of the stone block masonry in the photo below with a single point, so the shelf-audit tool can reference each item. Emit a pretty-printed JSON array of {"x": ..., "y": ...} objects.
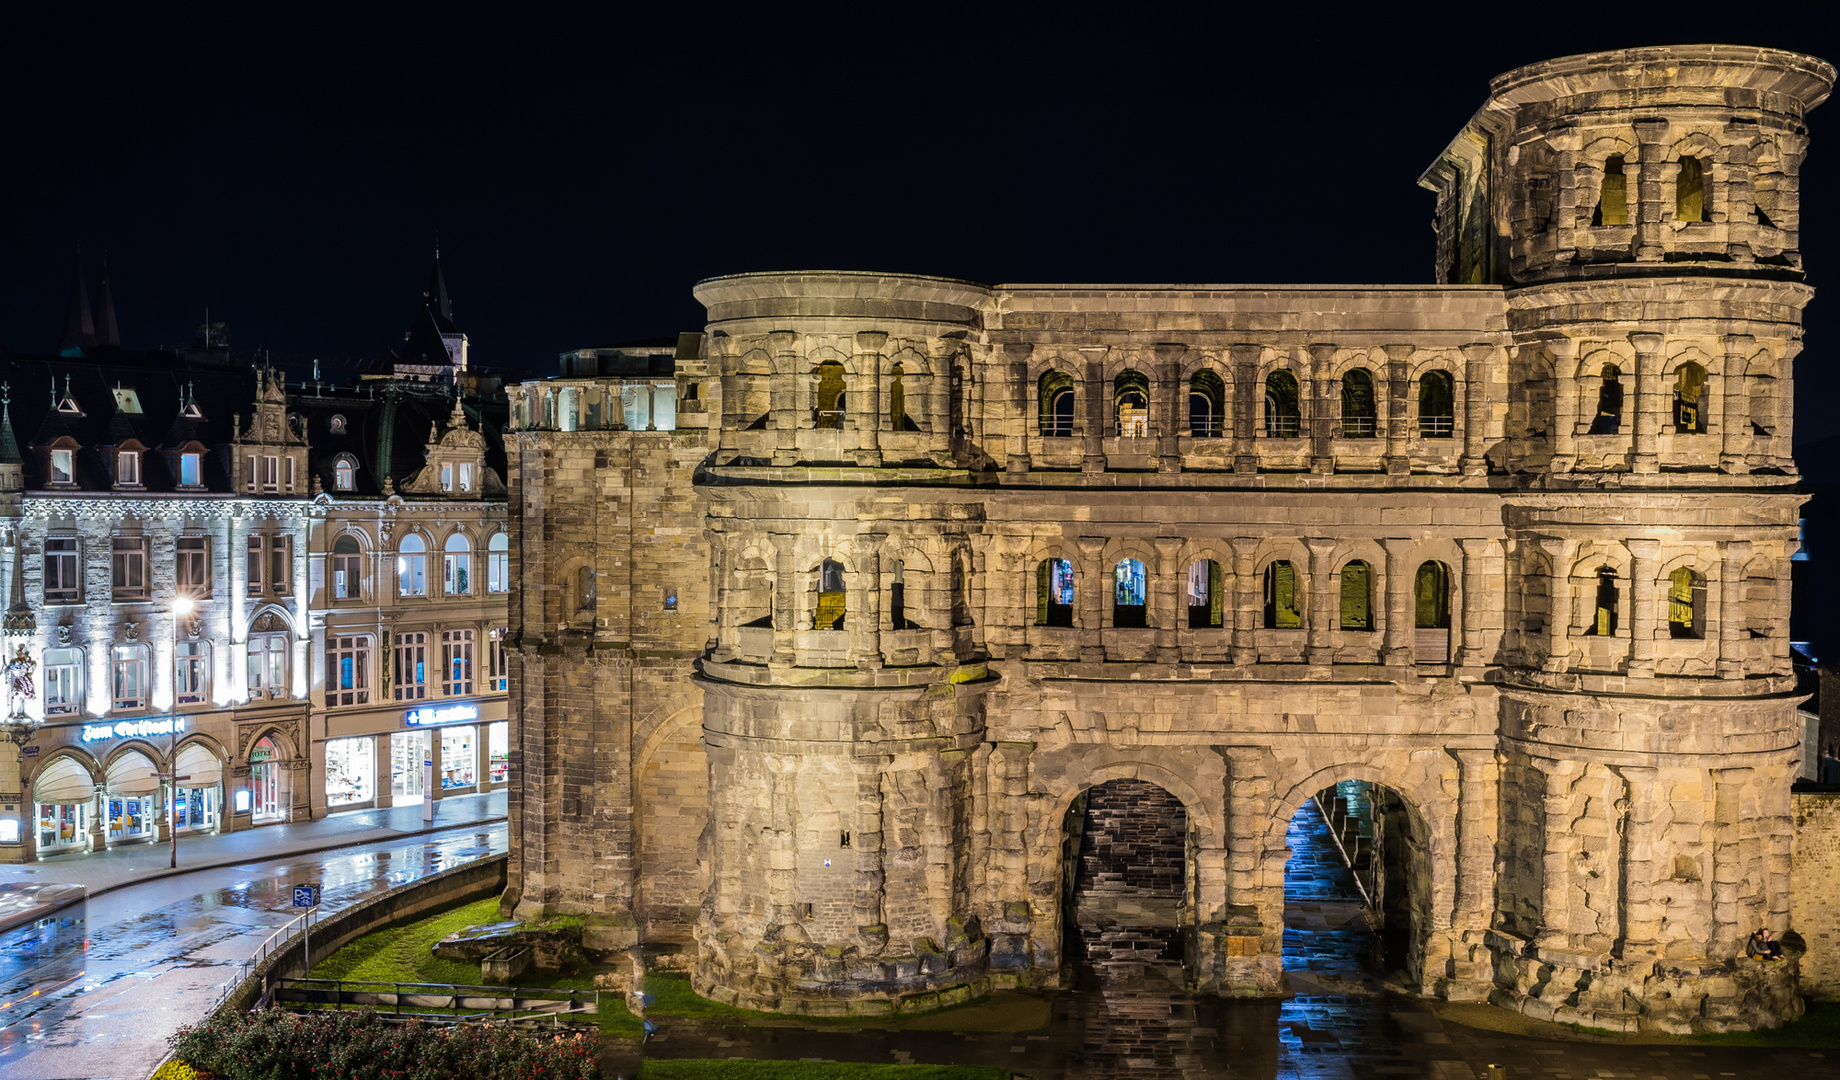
[{"x": 947, "y": 558}]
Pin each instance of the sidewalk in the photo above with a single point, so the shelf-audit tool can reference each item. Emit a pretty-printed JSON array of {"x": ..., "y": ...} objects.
[{"x": 134, "y": 863}]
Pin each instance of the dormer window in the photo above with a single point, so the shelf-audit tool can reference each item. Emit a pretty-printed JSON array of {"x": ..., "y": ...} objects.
[
  {"x": 128, "y": 468},
  {"x": 466, "y": 476},
  {"x": 447, "y": 476},
  {"x": 68, "y": 406},
  {"x": 344, "y": 475},
  {"x": 271, "y": 473},
  {"x": 188, "y": 471},
  {"x": 63, "y": 466},
  {"x": 337, "y": 424},
  {"x": 127, "y": 400}
]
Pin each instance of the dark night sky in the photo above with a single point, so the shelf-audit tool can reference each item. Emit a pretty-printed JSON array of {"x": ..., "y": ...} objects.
[{"x": 290, "y": 172}]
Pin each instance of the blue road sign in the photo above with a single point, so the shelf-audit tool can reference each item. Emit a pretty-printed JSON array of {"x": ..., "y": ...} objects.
[{"x": 306, "y": 896}]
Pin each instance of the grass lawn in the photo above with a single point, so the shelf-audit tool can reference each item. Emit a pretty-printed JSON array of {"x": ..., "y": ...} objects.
[
  {"x": 1819, "y": 1027},
  {"x": 718, "y": 1069},
  {"x": 404, "y": 954}
]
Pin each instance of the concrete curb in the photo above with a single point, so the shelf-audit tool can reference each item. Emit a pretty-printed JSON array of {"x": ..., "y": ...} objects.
[{"x": 20, "y": 920}]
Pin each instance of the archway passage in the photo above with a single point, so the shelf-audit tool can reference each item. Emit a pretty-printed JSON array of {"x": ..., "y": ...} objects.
[
  {"x": 1128, "y": 909},
  {"x": 1355, "y": 890}
]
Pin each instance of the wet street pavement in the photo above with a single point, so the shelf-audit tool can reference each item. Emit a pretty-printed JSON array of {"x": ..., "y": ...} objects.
[
  {"x": 1340, "y": 1023},
  {"x": 95, "y": 992}
]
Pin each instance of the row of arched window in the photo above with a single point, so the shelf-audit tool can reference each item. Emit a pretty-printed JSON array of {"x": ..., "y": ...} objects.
[
  {"x": 1283, "y": 412},
  {"x": 1689, "y": 404},
  {"x": 1282, "y": 607},
  {"x": 412, "y": 570}
]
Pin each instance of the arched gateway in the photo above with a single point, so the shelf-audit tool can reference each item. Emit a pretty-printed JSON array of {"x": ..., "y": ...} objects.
[{"x": 939, "y": 560}]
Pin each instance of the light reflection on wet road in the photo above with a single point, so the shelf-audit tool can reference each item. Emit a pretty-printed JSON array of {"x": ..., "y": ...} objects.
[{"x": 96, "y": 992}]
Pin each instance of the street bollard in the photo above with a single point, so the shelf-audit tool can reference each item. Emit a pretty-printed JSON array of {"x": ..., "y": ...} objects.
[{"x": 1494, "y": 1072}]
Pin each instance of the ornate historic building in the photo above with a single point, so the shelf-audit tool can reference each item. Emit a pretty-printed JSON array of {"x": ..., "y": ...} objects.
[{"x": 921, "y": 582}]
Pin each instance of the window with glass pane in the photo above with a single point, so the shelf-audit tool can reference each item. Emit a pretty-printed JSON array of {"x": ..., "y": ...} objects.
[
  {"x": 350, "y": 771},
  {"x": 192, "y": 566},
  {"x": 496, "y": 677},
  {"x": 457, "y": 566},
  {"x": 498, "y": 563},
  {"x": 456, "y": 662},
  {"x": 466, "y": 476},
  {"x": 290, "y": 472},
  {"x": 188, "y": 470},
  {"x": 346, "y": 582},
  {"x": 63, "y": 681},
  {"x": 409, "y": 667},
  {"x": 447, "y": 476},
  {"x": 63, "y": 467},
  {"x": 344, "y": 477},
  {"x": 412, "y": 566},
  {"x": 128, "y": 576},
  {"x": 130, "y": 677},
  {"x": 280, "y": 564},
  {"x": 253, "y": 564},
  {"x": 128, "y": 468},
  {"x": 191, "y": 672},
  {"x": 271, "y": 474},
  {"x": 268, "y": 663},
  {"x": 63, "y": 570},
  {"x": 348, "y": 666}
]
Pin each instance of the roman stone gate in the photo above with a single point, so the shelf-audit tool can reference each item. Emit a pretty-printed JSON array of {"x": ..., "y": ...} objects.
[{"x": 933, "y": 561}]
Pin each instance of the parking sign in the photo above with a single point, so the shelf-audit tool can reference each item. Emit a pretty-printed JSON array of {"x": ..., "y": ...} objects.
[{"x": 306, "y": 896}]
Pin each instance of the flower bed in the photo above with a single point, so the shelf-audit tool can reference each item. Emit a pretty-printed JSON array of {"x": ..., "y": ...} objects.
[{"x": 275, "y": 1045}]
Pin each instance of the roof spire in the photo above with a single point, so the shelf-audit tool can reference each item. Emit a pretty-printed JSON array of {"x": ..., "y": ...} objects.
[
  {"x": 9, "y": 446},
  {"x": 107, "y": 334},
  {"x": 435, "y": 299},
  {"x": 79, "y": 326}
]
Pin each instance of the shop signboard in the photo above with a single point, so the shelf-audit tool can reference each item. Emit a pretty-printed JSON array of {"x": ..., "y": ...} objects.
[
  {"x": 133, "y": 729},
  {"x": 434, "y": 715}
]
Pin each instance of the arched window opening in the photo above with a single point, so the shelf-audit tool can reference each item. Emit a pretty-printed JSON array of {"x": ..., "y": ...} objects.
[
  {"x": 1207, "y": 405},
  {"x": 898, "y": 420},
  {"x": 1686, "y": 604},
  {"x": 1431, "y": 597},
  {"x": 897, "y": 599},
  {"x": 1437, "y": 411},
  {"x": 1609, "y": 418},
  {"x": 1282, "y": 417},
  {"x": 347, "y": 568},
  {"x": 1057, "y": 401},
  {"x": 1204, "y": 595},
  {"x": 1054, "y": 593},
  {"x": 457, "y": 566},
  {"x": 498, "y": 563},
  {"x": 344, "y": 475},
  {"x": 829, "y": 610},
  {"x": 961, "y": 589},
  {"x": 1763, "y": 405},
  {"x": 752, "y": 594},
  {"x": 1690, "y": 191},
  {"x": 1128, "y": 594},
  {"x": 828, "y": 413},
  {"x": 1359, "y": 411},
  {"x": 1690, "y": 399},
  {"x": 412, "y": 566},
  {"x": 1131, "y": 401},
  {"x": 584, "y": 590},
  {"x": 1613, "y": 196},
  {"x": 1281, "y": 597},
  {"x": 1603, "y": 614},
  {"x": 1357, "y": 596}
]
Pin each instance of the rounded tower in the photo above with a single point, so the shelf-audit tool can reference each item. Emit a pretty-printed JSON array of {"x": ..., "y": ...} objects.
[
  {"x": 843, "y": 692},
  {"x": 1641, "y": 208}
]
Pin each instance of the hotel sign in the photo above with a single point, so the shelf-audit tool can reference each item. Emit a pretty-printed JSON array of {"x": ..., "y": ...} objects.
[
  {"x": 431, "y": 716},
  {"x": 130, "y": 729}
]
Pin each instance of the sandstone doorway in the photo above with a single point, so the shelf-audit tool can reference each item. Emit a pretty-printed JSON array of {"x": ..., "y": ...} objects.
[
  {"x": 1356, "y": 891},
  {"x": 1128, "y": 911}
]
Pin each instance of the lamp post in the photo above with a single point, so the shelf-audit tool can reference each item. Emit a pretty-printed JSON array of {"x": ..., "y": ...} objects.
[{"x": 182, "y": 606}]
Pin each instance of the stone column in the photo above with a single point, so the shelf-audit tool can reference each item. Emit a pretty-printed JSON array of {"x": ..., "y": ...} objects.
[
  {"x": 787, "y": 584},
  {"x": 1555, "y": 862},
  {"x": 1169, "y": 410},
  {"x": 1779, "y": 817},
  {"x": 1478, "y": 807},
  {"x": 862, "y": 618},
  {"x": 1098, "y": 400},
  {"x": 1323, "y": 596},
  {"x": 1475, "y": 556},
  {"x": 1734, "y": 554},
  {"x": 1245, "y": 600},
  {"x": 1476, "y": 363},
  {"x": 1640, "y": 925},
  {"x": 783, "y": 395},
  {"x": 1253, "y": 934},
  {"x": 782, "y": 845},
  {"x": 1779, "y": 623},
  {"x": 1565, "y": 403},
  {"x": 1559, "y": 554},
  {"x": 1093, "y": 593},
  {"x": 1647, "y": 211},
  {"x": 1167, "y": 612},
  {"x": 1398, "y": 409},
  {"x": 1735, "y": 417},
  {"x": 1644, "y": 557},
  {"x": 1247, "y": 399},
  {"x": 1645, "y": 409},
  {"x": 867, "y": 420},
  {"x": 1322, "y": 413},
  {"x": 867, "y": 842},
  {"x": 1729, "y": 927},
  {"x": 1782, "y": 438},
  {"x": 1399, "y": 620}
]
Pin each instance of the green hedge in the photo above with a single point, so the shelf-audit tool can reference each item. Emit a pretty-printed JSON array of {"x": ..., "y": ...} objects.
[{"x": 276, "y": 1045}]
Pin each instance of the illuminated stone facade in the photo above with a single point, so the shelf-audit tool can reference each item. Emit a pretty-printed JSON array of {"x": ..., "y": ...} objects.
[{"x": 939, "y": 558}]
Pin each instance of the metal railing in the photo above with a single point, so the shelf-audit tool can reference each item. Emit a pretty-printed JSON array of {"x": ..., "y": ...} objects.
[{"x": 445, "y": 1003}]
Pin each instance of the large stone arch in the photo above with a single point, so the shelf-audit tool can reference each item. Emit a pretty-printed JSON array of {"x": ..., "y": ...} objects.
[{"x": 671, "y": 777}]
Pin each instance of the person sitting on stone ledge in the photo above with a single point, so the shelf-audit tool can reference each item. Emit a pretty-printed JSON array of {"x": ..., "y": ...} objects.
[{"x": 1762, "y": 946}]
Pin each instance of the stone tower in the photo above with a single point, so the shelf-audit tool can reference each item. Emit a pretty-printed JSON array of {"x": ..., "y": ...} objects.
[{"x": 827, "y": 683}]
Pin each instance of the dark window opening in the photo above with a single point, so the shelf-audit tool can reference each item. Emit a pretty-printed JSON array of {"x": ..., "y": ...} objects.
[
  {"x": 1359, "y": 411},
  {"x": 1057, "y": 401},
  {"x": 1603, "y": 615},
  {"x": 898, "y": 419},
  {"x": 1282, "y": 417},
  {"x": 1686, "y": 604},
  {"x": 897, "y": 600},
  {"x": 1436, "y": 405},
  {"x": 1357, "y": 596},
  {"x": 1690, "y": 192},
  {"x": 1054, "y": 593},
  {"x": 829, "y": 610},
  {"x": 1431, "y": 597},
  {"x": 1128, "y": 595},
  {"x": 828, "y": 413},
  {"x": 1205, "y": 607},
  {"x": 1613, "y": 196},
  {"x": 1609, "y": 418},
  {"x": 1281, "y": 597},
  {"x": 1131, "y": 403},
  {"x": 1207, "y": 405},
  {"x": 1690, "y": 399}
]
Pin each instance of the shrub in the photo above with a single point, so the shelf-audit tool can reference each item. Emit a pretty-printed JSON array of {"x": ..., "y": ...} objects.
[
  {"x": 175, "y": 1070},
  {"x": 276, "y": 1045}
]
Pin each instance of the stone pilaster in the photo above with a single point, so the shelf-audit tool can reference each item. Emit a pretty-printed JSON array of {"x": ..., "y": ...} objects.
[{"x": 1645, "y": 407}]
